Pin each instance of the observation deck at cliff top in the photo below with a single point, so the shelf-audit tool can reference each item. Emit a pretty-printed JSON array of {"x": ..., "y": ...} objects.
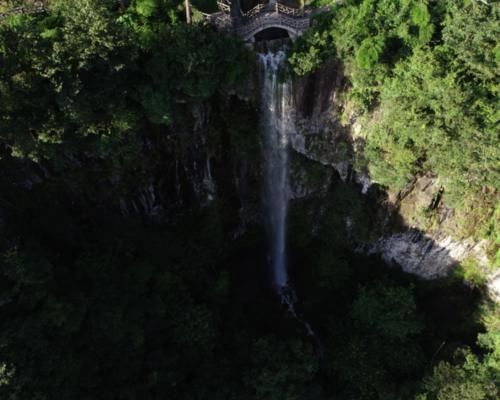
[{"x": 272, "y": 15}]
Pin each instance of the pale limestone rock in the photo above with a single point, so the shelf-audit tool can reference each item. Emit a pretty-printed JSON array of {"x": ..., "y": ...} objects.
[
  {"x": 494, "y": 286},
  {"x": 426, "y": 256}
]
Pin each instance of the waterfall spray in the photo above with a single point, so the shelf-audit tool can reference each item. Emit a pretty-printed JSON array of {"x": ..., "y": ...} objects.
[{"x": 276, "y": 123}]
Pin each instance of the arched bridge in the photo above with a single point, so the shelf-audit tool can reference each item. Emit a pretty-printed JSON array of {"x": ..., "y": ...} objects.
[
  {"x": 279, "y": 16},
  {"x": 261, "y": 17}
]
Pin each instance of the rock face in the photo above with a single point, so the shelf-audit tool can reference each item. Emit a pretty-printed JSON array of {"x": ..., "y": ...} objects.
[
  {"x": 433, "y": 240},
  {"x": 432, "y": 257},
  {"x": 426, "y": 256},
  {"x": 411, "y": 229},
  {"x": 494, "y": 286},
  {"x": 417, "y": 232},
  {"x": 319, "y": 135},
  {"x": 213, "y": 156},
  {"x": 216, "y": 157}
]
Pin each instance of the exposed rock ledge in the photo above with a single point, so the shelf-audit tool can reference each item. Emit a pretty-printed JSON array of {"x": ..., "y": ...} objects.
[
  {"x": 494, "y": 286},
  {"x": 426, "y": 256},
  {"x": 436, "y": 240},
  {"x": 432, "y": 257}
]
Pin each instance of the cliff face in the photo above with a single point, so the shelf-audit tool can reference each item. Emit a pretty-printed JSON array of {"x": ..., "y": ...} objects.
[
  {"x": 413, "y": 228},
  {"x": 321, "y": 136},
  {"x": 213, "y": 159}
]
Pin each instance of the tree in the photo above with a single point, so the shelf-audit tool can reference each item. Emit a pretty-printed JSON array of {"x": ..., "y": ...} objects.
[
  {"x": 369, "y": 52},
  {"x": 378, "y": 350},
  {"x": 281, "y": 369},
  {"x": 473, "y": 379}
]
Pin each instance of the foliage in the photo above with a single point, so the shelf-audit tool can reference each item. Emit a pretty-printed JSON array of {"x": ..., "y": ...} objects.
[
  {"x": 366, "y": 31},
  {"x": 473, "y": 379},
  {"x": 470, "y": 272},
  {"x": 368, "y": 53},
  {"x": 469, "y": 375},
  {"x": 101, "y": 300},
  {"x": 383, "y": 317},
  {"x": 426, "y": 74},
  {"x": 386, "y": 311},
  {"x": 468, "y": 382},
  {"x": 282, "y": 369},
  {"x": 79, "y": 73}
]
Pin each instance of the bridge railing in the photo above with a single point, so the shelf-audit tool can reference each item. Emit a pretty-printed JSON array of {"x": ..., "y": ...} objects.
[
  {"x": 292, "y": 12},
  {"x": 269, "y": 19},
  {"x": 224, "y": 6},
  {"x": 254, "y": 11},
  {"x": 277, "y": 8}
]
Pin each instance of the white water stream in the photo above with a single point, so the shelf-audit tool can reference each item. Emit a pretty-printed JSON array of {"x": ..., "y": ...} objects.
[{"x": 276, "y": 124}]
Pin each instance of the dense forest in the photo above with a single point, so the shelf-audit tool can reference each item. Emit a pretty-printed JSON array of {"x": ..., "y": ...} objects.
[
  {"x": 121, "y": 279},
  {"x": 426, "y": 76}
]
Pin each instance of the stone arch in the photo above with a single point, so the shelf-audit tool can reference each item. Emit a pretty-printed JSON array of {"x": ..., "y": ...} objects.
[
  {"x": 292, "y": 33},
  {"x": 271, "y": 33}
]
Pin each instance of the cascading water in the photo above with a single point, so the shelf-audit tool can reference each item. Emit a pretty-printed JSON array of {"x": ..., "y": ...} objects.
[{"x": 276, "y": 123}]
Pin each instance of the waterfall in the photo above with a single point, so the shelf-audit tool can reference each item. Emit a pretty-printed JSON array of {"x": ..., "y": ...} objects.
[{"x": 276, "y": 125}]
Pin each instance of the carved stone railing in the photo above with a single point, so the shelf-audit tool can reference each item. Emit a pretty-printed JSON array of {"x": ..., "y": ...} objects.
[
  {"x": 292, "y": 12},
  {"x": 224, "y": 6},
  {"x": 277, "y": 8},
  {"x": 254, "y": 11}
]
